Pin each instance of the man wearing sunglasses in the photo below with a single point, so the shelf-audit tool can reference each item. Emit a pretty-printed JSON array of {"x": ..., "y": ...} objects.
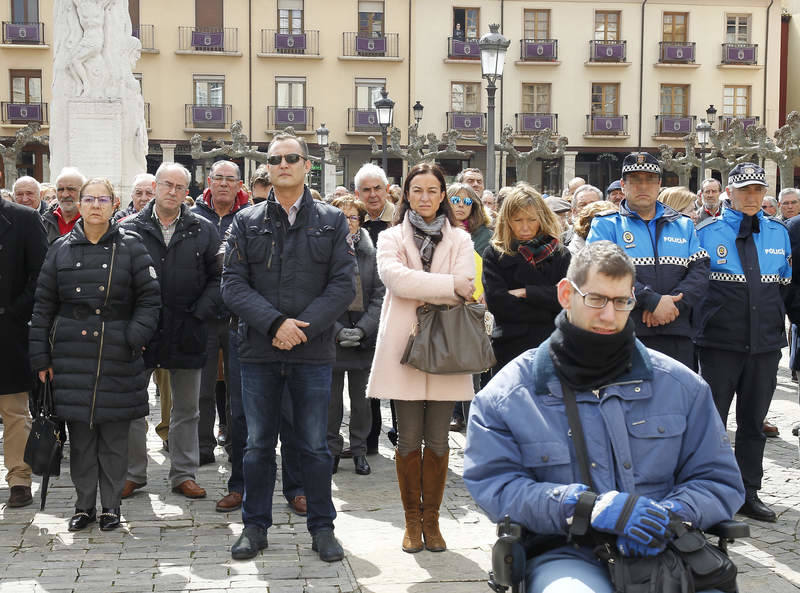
[
  {"x": 289, "y": 275},
  {"x": 671, "y": 266},
  {"x": 649, "y": 425}
]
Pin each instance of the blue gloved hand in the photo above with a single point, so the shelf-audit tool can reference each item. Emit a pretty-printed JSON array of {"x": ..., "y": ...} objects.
[
  {"x": 569, "y": 499},
  {"x": 641, "y": 519},
  {"x": 629, "y": 547}
]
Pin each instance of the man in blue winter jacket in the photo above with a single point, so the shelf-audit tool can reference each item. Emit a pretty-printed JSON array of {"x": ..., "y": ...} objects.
[
  {"x": 671, "y": 266},
  {"x": 654, "y": 439}
]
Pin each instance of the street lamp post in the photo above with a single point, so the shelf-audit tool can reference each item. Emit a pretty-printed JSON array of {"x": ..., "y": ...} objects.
[
  {"x": 493, "y": 57},
  {"x": 703, "y": 134},
  {"x": 384, "y": 108},
  {"x": 322, "y": 140},
  {"x": 711, "y": 115},
  {"x": 418, "y": 112}
]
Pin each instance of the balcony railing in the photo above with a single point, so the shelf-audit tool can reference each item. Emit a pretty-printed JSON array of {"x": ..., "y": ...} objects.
[
  {"x": 726, "y": 121},
  {"x": 300, "y": 118},
  {"x": 362, "y": 120},
  {"x": 668, "y": 124},
  {"x": 538, "y": 50},
  {"x": 739, "y": 53},
  {"x": 208, "y": 116},
  {"x": 607, "y": 51},
  {"x": 208, "y": 39},
  {"x": 530, "y": 123},
  {"x": 466, "y": 121},
  {"x": 145, "y": 34},
  {"x": 275, "y": 42},
  {"x": 459, "y": 49},
  {"x": 23, "y": 33},
  {"x": 23, "y": 113},
  {"x": 607, "y": 125},
  {"x": 374, "y": 45},
  {"x": 147, "y": 116},
  {"x": 676, "y": 53}
]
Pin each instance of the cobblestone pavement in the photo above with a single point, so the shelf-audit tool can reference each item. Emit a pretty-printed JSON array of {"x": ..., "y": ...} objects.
[{"x": 169, "y": 543}]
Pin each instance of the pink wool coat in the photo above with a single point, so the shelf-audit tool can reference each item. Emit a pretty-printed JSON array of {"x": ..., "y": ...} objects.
[{"x": 408, "y": 287}]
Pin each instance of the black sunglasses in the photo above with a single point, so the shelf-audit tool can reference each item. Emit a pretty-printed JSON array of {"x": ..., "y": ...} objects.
[{"x": 291, "y": 158}]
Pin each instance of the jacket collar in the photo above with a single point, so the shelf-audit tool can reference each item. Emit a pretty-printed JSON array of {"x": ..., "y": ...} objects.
[
  {"x": 364, "y": 244},
  {"x": 662, "y": 212},
  {"x": 77, "y": 235},
  {"x": 733, "y": 218},
  {"x": 205, "y": 202},
  {"x": 546, "y": 377},
  {"x": 273, "y": 206},
  {"x": 144, "y": 219}
]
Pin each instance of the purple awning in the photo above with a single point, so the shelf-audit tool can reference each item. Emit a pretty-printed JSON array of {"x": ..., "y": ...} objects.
[
  {"x": 605, "y": 124},
  {"x": 208, "y": 115},
  {"x": 290, "y": 116},
  {"x": 24, "y": 111},
  {"x": 534, "y": 123},
  {"x": 16, "y": 32},
  {"x": 540, "y": 50},
  {"x": 375, "y": 45},
  {"x": 462, "y": 121},
  {"x": 215, "y": 39},
  {"x": 290, "y": 41}
]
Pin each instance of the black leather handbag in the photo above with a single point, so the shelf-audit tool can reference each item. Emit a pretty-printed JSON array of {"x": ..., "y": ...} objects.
[
  {"x": 43, "y": 450},
  {"x": 450, "y": 340}
]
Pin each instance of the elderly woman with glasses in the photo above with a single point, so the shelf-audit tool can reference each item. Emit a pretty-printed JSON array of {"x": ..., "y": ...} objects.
[
  {"x": 96, "y": 306},
  {"x": 521, "y": 268}
]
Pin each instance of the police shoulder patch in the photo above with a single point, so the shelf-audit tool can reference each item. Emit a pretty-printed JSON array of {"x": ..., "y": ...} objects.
[
  {"x": 604, "y": 214},
  {"x": 708, "y": 221}
]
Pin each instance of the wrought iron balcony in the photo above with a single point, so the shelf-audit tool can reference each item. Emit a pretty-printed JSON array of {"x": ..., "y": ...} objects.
[
  {"x": 23, "y": 33},
  {"x": 300, "y": 118},
  {"x": 669, "y": 124},
  {"x": 370, "y": 46},
  {"x": 362, "y": 120},
  {"x": 145, "y": 34},
  {"x": 466, "y": 121},
  {"x": 208, "y": 116},
  {"x": 726, "y": 121},
  {"x": 676, "y": 53},
  {"x": 606, "y": 125},
  {"x": 208, "y": 39},
  {"x": 739, "y": 53},
  {"x": 147, "y": 116},
  {"x": 463, "y": 49},
  {"x": 538, "y": 50},
  {"x": 23, "y": 113},
  {"x": 530, "y": 123},
  {"x": 607, "y": 51},
  {"x": 275, "y": 42}
]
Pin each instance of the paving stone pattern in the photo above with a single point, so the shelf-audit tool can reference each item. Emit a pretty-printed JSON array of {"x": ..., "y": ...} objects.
[{"x": 169, "y": 543}]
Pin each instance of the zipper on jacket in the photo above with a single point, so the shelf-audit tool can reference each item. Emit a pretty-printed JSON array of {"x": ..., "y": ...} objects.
[
  {"x": 271, "y": 251},
  {"x": 102, "y": 336},
  {"x": 53, "y": 335}
]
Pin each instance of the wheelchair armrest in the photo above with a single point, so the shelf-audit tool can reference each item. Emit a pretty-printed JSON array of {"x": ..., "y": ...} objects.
[
  {"x": 508, "y": 556},
  {"x": 729, "y": 529}
]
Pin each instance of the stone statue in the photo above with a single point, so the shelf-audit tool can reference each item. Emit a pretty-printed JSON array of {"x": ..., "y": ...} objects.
[
  {"x": 683, "y": 163},
  {"x": 543, "y": 147},
  {"x": 415, "y": 151},
  {"x": 97, "y": 114}
]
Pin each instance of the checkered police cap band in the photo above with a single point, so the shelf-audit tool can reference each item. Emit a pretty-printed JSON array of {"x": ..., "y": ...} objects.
[
  {"x": 645, "y": 167},
  {"x": 747, "y": 175}
]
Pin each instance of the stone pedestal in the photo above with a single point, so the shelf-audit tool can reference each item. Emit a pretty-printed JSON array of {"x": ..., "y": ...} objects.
[
  {"x": 771, "y": 170},
  {"x": 568, "y": 170},
  {"x": 168, "y": 153}
]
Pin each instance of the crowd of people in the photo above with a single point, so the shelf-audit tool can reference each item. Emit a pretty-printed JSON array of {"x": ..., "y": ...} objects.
[{"x": 252, "y": 308}]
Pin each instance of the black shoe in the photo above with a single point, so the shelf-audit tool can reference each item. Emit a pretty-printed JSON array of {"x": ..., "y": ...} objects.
[
  {"x": 253, "y": 539},
  {"x": 335, "y": 467},
  {"x": 222, "y": 435},
  {"x": 347, "y": 453},
  {"x": 81, "y": 519},
  {"x": 207, "y": 458},
  {"x": 755, "y": 509},
  {"x": 362, "y": 467},
  {"x": 109, "y": 519},
  {"x": 330, "y": 550},
  {"x": 392, "y": 436},
  {"x": 20, "y": 496}
]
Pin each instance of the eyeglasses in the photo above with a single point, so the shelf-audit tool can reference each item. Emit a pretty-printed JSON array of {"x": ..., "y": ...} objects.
[
  {"x": 354, "y": 218},
  {"x": 599, "y": 301},
  {"x": 102, "y": 200},
  {"x": 178, "y": 189},
  {"x": 456, "y": 200},
  {"x": 291, "y": 158},
  {"x": 228, "y": 178}
]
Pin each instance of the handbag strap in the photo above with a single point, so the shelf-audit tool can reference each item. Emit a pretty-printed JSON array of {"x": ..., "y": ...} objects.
[
  {"x": 48, "y": 403},
  {"x": 575, "y": 427}
]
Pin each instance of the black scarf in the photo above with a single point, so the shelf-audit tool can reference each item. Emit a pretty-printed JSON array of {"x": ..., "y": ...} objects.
[
  {"x": 585, "y": 360},
  {"x": 748, "y": 226},
  {"x": 426, "y": 236}
]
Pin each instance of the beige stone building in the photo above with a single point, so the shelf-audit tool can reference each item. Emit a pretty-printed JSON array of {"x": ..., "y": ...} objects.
[{"x": 610, "y": 76}]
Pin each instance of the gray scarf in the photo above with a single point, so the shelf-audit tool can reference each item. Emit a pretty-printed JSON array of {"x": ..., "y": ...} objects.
[{"x": 426, "y": 236}]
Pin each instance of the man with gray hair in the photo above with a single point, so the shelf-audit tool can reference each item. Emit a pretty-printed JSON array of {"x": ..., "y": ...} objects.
[
  {"x": 584, "y": 195},
  {"x": 789, "y": 200},
  {"x": 26, "y": 191},
  {"x": 769, "y": 205},
  {"x": 141, "y": 194},
  {"x": 60, "y": 220},
  {"x": 472, "y": 177},
  {"x": 710, "y": 192},
  {"x": 372, "y": 188},
  {"x": 183, "y": 247}
]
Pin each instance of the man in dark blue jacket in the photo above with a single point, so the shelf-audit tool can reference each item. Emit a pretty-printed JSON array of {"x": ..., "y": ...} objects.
[
  {"x": 288, "y": 275},
  {"x": 742, "y": 319},
  {"x": 671, "y": 266}
]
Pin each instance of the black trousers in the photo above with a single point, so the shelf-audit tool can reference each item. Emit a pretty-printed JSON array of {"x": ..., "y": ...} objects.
[
  {"x": 753, "y": 378},
  {"x": 678, "y": 348}
]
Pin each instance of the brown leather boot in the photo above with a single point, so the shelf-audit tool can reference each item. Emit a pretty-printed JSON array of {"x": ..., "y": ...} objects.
[
  {"x": 409, "y": 478},
  {"x": 434, "y": 476}
]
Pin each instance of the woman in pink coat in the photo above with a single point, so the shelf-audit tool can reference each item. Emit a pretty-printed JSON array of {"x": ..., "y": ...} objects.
[{"x": 422, "y": 259}]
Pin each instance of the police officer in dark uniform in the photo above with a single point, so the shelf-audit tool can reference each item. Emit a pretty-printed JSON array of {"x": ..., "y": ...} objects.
[
  {"x": 671, "y": 266},
  {"x": 742, "y": 331}
]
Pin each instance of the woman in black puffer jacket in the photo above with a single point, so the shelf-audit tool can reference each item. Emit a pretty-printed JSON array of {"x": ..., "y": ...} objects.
[{"x": 96, "y": 306}]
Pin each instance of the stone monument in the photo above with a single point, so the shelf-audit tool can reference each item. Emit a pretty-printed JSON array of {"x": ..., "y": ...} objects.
[{"x": 97, "y": 118}]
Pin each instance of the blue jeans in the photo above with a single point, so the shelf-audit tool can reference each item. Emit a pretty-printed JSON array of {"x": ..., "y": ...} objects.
[
  {"x": 567, "y": 570},
  {"x": 309, "y": 389}
]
